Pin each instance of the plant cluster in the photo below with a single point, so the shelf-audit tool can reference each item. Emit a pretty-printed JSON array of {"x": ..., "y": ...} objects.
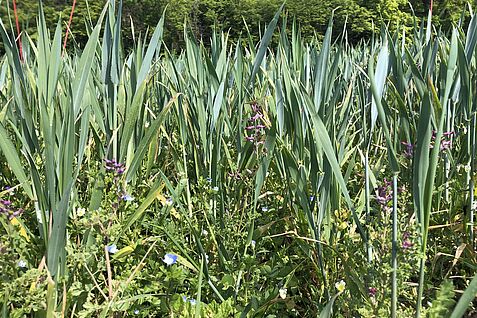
[{"x": 284, "y": 178}]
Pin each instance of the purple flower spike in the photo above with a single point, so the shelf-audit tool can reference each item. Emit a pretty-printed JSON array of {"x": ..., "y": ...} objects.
[
  {"x": 383, "y": 196},
  {"x": 409, "y": 151},
  {"x": 114, "y": 166}
]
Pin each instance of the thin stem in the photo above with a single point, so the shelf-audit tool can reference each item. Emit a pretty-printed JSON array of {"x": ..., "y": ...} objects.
[
  {"x": 69, "y": 25},
  {"x": 471, "y": 181},
  {"x": 18, "y": 39},
  {"x": 394, "y": 249},
  {"x": 110, "y": 275},
  {"x": 422, "y": 264},
  {"x": 369, "y": 247}
]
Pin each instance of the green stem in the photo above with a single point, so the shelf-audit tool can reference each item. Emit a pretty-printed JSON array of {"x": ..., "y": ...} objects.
[
  {"x": 369, "y": 246},
  {"x": 471, "y": 181},
  {"x": 394, "y": 249}
]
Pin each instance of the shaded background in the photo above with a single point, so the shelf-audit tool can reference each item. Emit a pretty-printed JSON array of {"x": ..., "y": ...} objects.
[{"x": 230, "y": 15}]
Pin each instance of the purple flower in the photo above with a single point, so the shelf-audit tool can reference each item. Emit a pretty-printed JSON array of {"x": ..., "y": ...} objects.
[
  {"x": 406, "y": 244},
  {"x": 409, "y": 151},
  {"x": 446, "y": 144},
  {"x": 249, "y": 138},
  {"x": 114, "y": 166},
  {"x": 372, "y": 291},
  {"x": 384, "y": 193},
  {"x": 383, "y": 196},
  {"x": 8, "y": 210},
  {"x": 257, "y": 116},
  {"x": 256, "y": 126},
  {"x": 16, "y": 213},
  {"x": 5, "y": 202}
]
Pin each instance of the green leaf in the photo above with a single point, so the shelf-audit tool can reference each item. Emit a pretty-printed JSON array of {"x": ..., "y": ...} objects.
[
  {"x": 467, "y": 297},
  {"x": 10, "y": 152}
]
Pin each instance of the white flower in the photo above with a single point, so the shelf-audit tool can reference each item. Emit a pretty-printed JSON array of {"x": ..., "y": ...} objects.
[
  {"x": 80, "y": 211},
  {"x": 22, "y": 264},
  {"x": 340, "y": 286},
  {"x": 127, "y": 197},
  {"x": 204, "y": 232},
  {"x": 112, "y": 248},
  {"x": 169, "y": 201},
  {"x": 283, "y": 293},
  {"x": 170, "y": 259},
  {"x": 215, "y": 189},
  {"x": 253, "y": 243}
]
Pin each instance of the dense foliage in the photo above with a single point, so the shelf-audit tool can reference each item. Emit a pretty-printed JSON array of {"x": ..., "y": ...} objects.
[
  {"x": 273, "y": 178},
  {"x": 202, "y": 16}
]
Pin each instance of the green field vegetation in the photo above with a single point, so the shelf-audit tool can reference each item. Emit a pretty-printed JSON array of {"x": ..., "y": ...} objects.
[
  {"x": 361, "y": 18},
  {"x": 273, "y": 178}
]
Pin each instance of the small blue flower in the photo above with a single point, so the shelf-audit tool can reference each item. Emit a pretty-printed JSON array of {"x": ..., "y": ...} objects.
[
  {"x": 170, "y": 259},
  {"x": 215, "y": 189},
  {"x": 192, "y": 301},
  {"x": 136, "y": 312},
  {"x": 169, "y": 201},
  {"x": 22, "y": 264},
  {"x": 112, "y": 248},
  {"x": 312, "y": 198},
  {"x": 184, "y": 298},
  {"x": 127, "y": 197},
  {"x": 208, "y": 179},
  {"x": 253, "y": 243},
  {"x": 264, "y": 209}
]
